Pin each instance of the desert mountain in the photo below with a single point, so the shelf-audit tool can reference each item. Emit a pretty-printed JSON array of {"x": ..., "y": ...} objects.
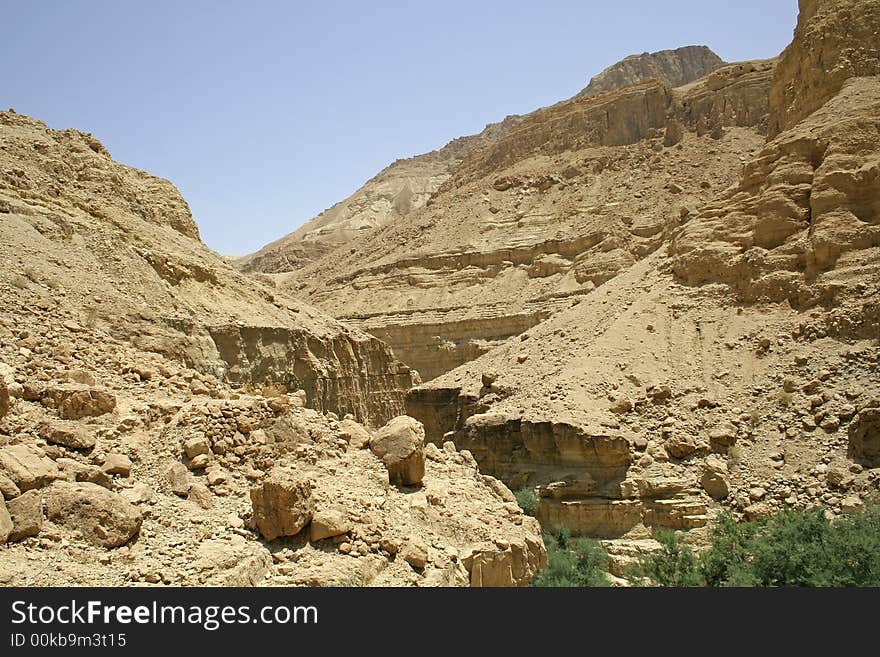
[
  {"x": 531, "y": 223},
  {"x": 407, "y": 185},
  {"x": 166, "y": 419},
  {"x": 674, "y": 67}
]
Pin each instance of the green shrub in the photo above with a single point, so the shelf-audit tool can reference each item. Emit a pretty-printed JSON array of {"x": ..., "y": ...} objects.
[
  {"x": 791, "y": 548},
  {"x": 673, "y": 564},
  {"x": 572, "y": 561},
  {"x": 527, "y": 500}
]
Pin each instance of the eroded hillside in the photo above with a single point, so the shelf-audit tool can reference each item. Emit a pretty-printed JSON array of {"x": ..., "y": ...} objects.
[{"x": 165, "y": 419}]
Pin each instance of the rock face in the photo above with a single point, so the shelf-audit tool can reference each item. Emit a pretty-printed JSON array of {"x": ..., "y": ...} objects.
[
  {"x": 120, "y": 253},
  {"x": 699, "y": 366},
  {"x": 674, "y": 67},
  {"x": 835, "y": 40},
  {"x": 282, "y": 505},
  {"x": 400, "y": 445},
  {"x": 101, "y": 516}
]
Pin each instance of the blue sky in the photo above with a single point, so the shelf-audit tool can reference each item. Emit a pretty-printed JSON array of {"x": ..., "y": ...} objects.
[{"x": 265, "y": 113}]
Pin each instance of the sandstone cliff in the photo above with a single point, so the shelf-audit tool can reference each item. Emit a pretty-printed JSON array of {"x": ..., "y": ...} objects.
[
  {"x": 116, "y": 250},
  {"x": 674, "y": 67}
]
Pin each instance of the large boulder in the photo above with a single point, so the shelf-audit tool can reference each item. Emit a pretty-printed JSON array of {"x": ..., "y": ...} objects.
[
  {"x": 101, "y": 516},
  {"x": 401, "y": 446},
  {"x": 26, "y": 511},
  {"x": 67, "y": 434},
  {"x": 28, "y": 467},
  {"x": 715, "y": 480},
  {"x": 282, "y": 504},
  {"x": 864, "y": 435},
  {"x": 75, "y": 401}
]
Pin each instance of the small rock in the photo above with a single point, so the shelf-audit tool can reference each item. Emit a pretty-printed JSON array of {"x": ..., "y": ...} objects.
[
  {"x": 117, "y": 464},
  {"x": 196, "y": 446},
  {"x": 415, "y": 552},
  {"x": 201, "y": 495},
  {"x": 329, "y": 523}
]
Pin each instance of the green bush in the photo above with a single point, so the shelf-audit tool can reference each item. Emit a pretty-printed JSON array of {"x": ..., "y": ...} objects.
[
  {"x": 572, "y": 561},
  {"x": 527, "y": 500},
  {"x": 673, "y": 564},
  {"x": 792, "y": 548}
]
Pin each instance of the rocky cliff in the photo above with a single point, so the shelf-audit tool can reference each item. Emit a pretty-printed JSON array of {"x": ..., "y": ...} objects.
[
  {"x": 116, "y": 250},
  {"x": 734, "y": 366},
  {"x": 674, "y": 67}
]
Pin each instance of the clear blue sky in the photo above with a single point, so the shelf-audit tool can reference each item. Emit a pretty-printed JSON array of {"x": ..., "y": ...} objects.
[{"x": 265, "y": 113}]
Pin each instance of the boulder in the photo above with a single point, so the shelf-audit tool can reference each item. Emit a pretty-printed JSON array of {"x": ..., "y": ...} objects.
[
  {"x": 282, "y": 504},
  {"x": 26, "y": 511},
  {"x": 28, "y": 467},
  {"x": 197, "y": 445},
  {"x": 201, "y": 495},
  {"x": 714, "y": 479},
  {"x": 864, "y": 435},
  {"x": 682, "y": 445},
  {"x": 67, "y": 434},
  {"x": 723, "y": 436},
  {"x": 329, "y": 523},
  {"x": 76, "y": 471},
  {"x": 8, "y": 489},
  {"x": 673, "y": 134},
  {"x": 178, "y": 478},
  {"x": 101, "y": 516},
  {"x": 75, "y": 401},
  {"x": 400, "y": 445},
  {"x": 415, "y": 552}
]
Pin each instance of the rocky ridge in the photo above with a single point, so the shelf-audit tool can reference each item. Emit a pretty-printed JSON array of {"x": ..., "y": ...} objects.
[
  {"x": 116, "y": 251},
  {"x": 407, "y": 185},
  {"x": 676, "y": 68}
]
